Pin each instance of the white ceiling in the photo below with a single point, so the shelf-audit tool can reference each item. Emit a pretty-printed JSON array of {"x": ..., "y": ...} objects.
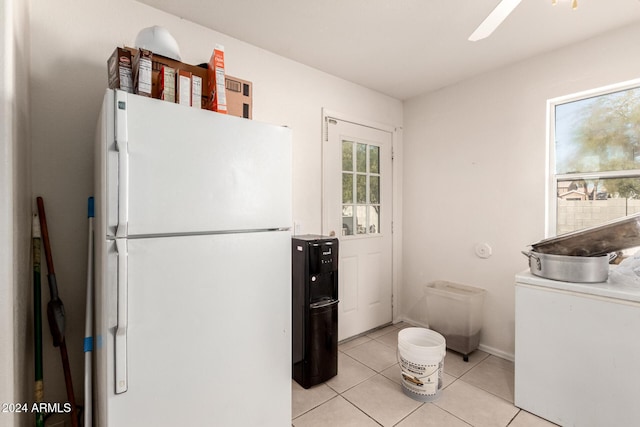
[{"x": 403, "y": 48}]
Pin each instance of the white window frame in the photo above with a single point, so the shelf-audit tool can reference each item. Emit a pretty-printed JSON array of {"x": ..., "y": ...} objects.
[{"x": 552, "y": 178}]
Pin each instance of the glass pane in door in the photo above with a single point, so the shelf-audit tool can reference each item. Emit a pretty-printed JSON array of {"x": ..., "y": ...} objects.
[
  {"x": 347, "y": 188},
  {"x": 361, "y": 220},
  {"x": 347, "y": 220},
  {"x": 361, "y": 159},
  {"x": 361, "y": 189},
  {"x": 347, "y": 156},
  {"x": 374, "y": 219},
  {"x": 374, "y": 159},
  {"x": 374, "y": 189}
]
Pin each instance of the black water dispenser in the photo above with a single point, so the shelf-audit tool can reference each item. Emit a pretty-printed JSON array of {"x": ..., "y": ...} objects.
[{"x": 315, "y": 309}]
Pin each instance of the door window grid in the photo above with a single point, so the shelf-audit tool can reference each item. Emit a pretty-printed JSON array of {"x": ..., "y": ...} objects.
[{"x": 360, "y": 189}]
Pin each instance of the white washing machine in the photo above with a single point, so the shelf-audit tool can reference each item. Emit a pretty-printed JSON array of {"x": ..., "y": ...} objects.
[{"x": 577, "y": 351}]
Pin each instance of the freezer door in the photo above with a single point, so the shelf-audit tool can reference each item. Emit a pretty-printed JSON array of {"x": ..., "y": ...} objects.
[
  {"x": 208, "y": 335},
  {"x": 174, "y": 169}
]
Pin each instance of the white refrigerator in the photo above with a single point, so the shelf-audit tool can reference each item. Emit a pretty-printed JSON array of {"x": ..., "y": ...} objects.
[{"x": 193, "y": 267}]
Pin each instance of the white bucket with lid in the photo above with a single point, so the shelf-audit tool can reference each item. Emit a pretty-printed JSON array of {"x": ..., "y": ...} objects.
[{"x": 421, "y": 358}]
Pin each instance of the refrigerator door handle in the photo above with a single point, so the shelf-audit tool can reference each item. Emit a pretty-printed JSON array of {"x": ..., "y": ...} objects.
[
  {"x": 121, "y": 327},
  {"x": 123, "y": 189},
  {"x": 123, "y": 163}
]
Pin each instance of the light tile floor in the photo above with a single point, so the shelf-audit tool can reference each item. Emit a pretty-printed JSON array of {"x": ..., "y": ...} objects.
[{"x": 367, "y": 391}]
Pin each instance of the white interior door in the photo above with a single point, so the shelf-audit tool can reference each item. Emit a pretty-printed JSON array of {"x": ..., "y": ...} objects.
[{"x": 357, "y": 208}]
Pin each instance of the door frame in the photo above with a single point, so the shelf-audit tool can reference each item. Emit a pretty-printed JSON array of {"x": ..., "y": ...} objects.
[{"x": 396, "y": 195}]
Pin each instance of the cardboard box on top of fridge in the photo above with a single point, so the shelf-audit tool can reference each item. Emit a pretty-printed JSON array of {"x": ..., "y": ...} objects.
[
  {"x": 166, "y": 86},
  {"x": 215, "y": 81},
  {"x": 120, "y": 70},
  {"x": 239, "y": 97},
  {"x": 183, "y": 88},
  {"x": 238, "y": 93},
  {"x": 160, "y": 61},
  {"x": 142, "y": 81},
  {"x": 196, "y": 91}
]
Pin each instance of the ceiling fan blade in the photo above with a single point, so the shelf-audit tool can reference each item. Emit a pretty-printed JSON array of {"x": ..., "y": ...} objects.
[{"x": 495, "y": 18}]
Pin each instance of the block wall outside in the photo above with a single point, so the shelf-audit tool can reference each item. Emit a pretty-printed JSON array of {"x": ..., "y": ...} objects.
[{"x": 578, "y": 214}]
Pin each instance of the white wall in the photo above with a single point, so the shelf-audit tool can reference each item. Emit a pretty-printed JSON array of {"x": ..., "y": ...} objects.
[
  {"x": 16, "y": 373},
  {"x": 474, "y": 171},
  {"x": 71, "y": 41},
  {"x": 484, "y": 138}
]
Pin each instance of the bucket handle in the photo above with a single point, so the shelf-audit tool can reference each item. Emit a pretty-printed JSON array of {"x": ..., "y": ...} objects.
[{"x": 409, "y": 377}]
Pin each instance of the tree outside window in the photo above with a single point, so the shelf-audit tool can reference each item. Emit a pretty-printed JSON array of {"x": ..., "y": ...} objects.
[{"x": 595, "y": 155}]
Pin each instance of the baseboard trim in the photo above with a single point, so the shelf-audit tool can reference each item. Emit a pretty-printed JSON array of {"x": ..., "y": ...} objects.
[{"x": 496, "y": 352}]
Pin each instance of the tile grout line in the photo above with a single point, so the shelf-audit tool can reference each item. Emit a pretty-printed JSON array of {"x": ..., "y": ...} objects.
[
  {"x": 514, "y": 417},
  {"x": 357, "y": 407}
]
